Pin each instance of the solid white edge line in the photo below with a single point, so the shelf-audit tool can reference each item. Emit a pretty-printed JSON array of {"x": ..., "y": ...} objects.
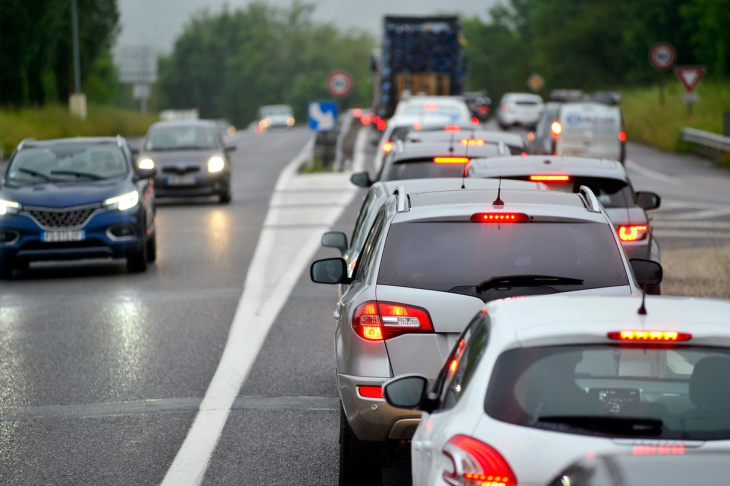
[{"x": 254, "y": 316}]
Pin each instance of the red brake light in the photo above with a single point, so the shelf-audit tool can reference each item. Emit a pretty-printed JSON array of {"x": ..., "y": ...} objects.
[
  {"x": 499, "y": 217},
  {"x": 659, "y": 449},
  {"x": 474, "y": 120},
  {"x": 380, "y": 124},
  {"x": 555, "y": 128},
  {"x": 387, "y": 146},
  {"x": 472, "y": 141},
  {"x": 366, "y": 119},
  {"x": 430, "y": 106},
  {"x": 452, "y": 128},
  {"x": 451, "y": 160},
  {"x": 633, "y": 232},
  {"x": 357, "y": 112},
  {"x": 483, "y": 109},
  {"x": 530, "y": 136},
  {"x": 370, "y": 391},
  {"x": 417, "y": 126},
  {"x": 377, "y": 119},
  {"x": 475, "y": 462},
  {"x": 376, "y": 321},
  {"x": 667, "y": 336},
  {"x": 622, "y": 136},
  {"x": 550, "y": 178}
]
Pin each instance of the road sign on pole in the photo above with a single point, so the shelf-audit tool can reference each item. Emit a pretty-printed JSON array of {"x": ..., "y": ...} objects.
[
  {"x": 535, "y": 82},
  {"x": 690, "y": 76},
  {"x": 322, "y": 115},
  {"x": 339, "y": 83},
  {"x": 662, "y": 56}
]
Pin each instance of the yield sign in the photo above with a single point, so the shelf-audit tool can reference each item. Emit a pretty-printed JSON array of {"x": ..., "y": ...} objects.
[{"x": 690, "y": 76}]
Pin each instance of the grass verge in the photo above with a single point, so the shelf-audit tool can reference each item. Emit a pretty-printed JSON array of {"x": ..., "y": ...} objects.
[{"x": 55, "y": 121}]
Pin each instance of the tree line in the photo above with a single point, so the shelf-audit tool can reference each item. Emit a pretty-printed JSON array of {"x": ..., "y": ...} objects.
[{"x": 591, "y": 45}]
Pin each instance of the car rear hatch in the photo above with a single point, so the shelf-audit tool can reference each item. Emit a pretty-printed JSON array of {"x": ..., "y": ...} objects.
[{"x": 590, "y": 130}]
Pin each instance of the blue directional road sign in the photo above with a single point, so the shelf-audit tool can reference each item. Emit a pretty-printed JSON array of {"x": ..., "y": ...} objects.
[{"x": 322, "y": 115}]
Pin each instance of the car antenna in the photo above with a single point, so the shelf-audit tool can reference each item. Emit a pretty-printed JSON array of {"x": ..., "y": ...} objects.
[
  {"x": 498, "y": 201},
  {"x": 642, "y": 309},
  {"x": 466, "y": 164}
]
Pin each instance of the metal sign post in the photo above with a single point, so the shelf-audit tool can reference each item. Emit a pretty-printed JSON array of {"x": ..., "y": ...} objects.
[
  {"x": 662, "y": 56},
  {"x": 690, "y": 77},
  {"x": 138, "y": 66}
]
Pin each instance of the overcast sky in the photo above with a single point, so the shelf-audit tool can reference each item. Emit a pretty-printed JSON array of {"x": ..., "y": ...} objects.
[{"x": 157, "y": 23}]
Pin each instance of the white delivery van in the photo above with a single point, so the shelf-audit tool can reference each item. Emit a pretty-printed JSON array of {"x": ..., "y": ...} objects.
[{"x": 588, "y": 129}]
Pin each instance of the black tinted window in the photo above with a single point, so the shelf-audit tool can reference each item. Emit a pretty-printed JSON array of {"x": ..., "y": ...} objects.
[
  {"x": 675, "y": 392},
  {"x": 424, "y": 169},
  {"x": 445, "y": 256},
  {"x": 612, "y": 193}
]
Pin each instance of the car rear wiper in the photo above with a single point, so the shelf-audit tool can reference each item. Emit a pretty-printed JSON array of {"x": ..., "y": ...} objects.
[
  {"x": 526, "y": 281},
  {"x": 35, "y": 173},
  {"x": 625, "y": 426},
  {"x": 77, "y": 174}
]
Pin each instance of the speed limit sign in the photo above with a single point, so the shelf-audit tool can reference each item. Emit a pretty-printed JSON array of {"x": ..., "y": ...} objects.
[
  {"x": 339, "y": 83},
  {"x": 662, "y": 56}
]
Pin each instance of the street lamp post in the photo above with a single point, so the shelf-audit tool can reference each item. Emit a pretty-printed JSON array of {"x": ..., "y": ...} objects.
[{"x": 77, "y": 100}]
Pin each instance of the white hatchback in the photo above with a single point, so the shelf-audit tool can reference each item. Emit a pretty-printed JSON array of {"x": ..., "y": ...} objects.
[
  {"x": 519, "y": 109},
  {"x": 534, "y": 384}
]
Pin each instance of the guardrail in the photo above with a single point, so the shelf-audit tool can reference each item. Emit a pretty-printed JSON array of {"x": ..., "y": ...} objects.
[{"x": 705, "y": 140}]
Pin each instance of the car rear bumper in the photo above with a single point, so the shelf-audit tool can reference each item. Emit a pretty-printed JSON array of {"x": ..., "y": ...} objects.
[
  {"x": 372, "y": 418},
  {"x": 202, "y": 185}
]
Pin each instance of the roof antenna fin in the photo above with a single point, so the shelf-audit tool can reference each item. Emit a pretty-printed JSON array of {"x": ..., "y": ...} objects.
[
  {"x": 642, "y": 309},
  {"x": 498, "y": 201}
]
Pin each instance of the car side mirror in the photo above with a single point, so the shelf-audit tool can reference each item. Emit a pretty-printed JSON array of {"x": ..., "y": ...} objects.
[
  {"x": 648, "y": 200},
  {"x": 146, "y": 173},
  {"x": 361, "y": 179},
  {"x": 329, "y": 271},
  {"x": 335, "y": 239},
  {"x": 230, "y": 148},
  {"x": 407, "y": 391},
  {"x": 647, "y": 272}
]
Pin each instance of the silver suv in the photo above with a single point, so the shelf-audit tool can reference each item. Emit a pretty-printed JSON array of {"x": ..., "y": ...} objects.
[{"x": 430, "y": 262}]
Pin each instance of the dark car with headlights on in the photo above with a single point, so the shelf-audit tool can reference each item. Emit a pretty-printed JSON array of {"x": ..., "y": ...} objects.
[
  {"x": 75, "y": 198},
  {"x": 190, "y": 159}
]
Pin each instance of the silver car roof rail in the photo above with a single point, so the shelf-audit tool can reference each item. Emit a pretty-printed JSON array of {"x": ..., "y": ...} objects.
[
  {"x": 402, "y": 198},
  {"x": 590, "y": 199}
]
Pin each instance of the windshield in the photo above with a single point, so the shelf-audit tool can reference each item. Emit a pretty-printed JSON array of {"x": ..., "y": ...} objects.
[
  {"x": 672, "y": 392},
  {"x": 180, "y": 138},
  {"x": 276, "y": 110},
  {"x": 611, "y": 193},
  {"x": 453, "y": 256},
  {"x": 67, "y": 162}
]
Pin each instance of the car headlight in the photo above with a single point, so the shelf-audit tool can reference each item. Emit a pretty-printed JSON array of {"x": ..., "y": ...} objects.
[
  {"x": 123, "y": 202},
  {"x": 146, "y": 163},
  {"x": 8, "y": 207},
  {"x": 216, "y": 164}
]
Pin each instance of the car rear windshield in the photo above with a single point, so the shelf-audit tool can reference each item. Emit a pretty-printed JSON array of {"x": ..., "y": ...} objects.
[
  {"x": 420, "y": 169},
  {"x": 612, "y": 193},
  {"x": 653, "y": 391},
  {"x": 67, "y": 163},
  {"x": 458, "y": 256},
  {"x": 184, "y": 137}
]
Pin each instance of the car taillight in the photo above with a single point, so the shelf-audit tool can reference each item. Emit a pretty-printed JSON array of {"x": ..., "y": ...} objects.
[
  {"x": 632, "y": 335},
  {"x": 367, "y": 391},
  {"x": 381, "y": 125},
  {"x": 357, "y": 112},
  {"x": 475, "y": 463},
  {"x": 452, "y": 128},
  {"x": 387, "y": 146},
  {"x": 550, "y": 178},
  {"x": 632, "y": 232},
  {"x": 555, "y": 129},
  {"x": 499, "y": 217},
  {"x": 474, "y": 120},
  {"x": 483, "y": 109},
  {"x": 621, "y": 136},
  {"x": 451, "y": 160},
  {"x": 472, "y": 141},
  {"x": 376, "y": 321},
  {"x": 366, "y": 119}
]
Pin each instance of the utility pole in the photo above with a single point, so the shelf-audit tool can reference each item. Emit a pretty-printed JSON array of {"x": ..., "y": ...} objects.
[{"x": 77, "y": 100}]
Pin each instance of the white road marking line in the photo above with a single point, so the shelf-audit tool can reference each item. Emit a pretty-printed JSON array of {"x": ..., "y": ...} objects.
[
  {"x": 281, "y": 254},
  {"x": 633, "y": 166}
]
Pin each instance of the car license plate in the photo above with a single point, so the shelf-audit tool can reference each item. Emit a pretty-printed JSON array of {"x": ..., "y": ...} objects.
[
  {"x": 60, "y": 236},
  {"x": 181, "y": 181}
]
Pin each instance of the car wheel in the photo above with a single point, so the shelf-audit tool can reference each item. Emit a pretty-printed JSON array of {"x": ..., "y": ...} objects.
[
  {"x": 360, "y": 460},
  {"x": 6, "y": 268},
  {"x": 137, "y": 260},
  {"x": 152, "y": 248},
  {"x": 225, "y": 197}
]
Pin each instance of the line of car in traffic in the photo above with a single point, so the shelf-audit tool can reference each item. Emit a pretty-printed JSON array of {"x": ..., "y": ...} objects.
[
  {"x": 94, "y": 197},
  {"x": 492, "y": 320}
]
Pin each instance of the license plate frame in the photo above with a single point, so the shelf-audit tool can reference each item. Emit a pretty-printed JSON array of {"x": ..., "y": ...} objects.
[
  {"x": 181, "y": 181},
  {"x": 63, "y": 236}
]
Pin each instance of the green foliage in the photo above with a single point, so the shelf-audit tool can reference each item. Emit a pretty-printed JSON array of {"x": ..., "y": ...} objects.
[
  {"x": 55, "y": 121},
  {"x": 229, "y": 64},
  {"x": 36, "y": 65}
]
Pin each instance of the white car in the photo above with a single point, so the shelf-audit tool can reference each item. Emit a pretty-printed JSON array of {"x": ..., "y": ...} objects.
[
  {"x": 534, "y": 384},
  {"x": 519, "y": 109}
]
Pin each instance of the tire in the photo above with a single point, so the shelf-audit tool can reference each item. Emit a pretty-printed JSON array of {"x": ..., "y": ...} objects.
[
  {"x": 137, "y": 260},
  {"x": 6, "y": 269},
  {"x": 360, "y": 460},
  {"x": 152, "y": 248},
  {"x": 225, "y": 197}
]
